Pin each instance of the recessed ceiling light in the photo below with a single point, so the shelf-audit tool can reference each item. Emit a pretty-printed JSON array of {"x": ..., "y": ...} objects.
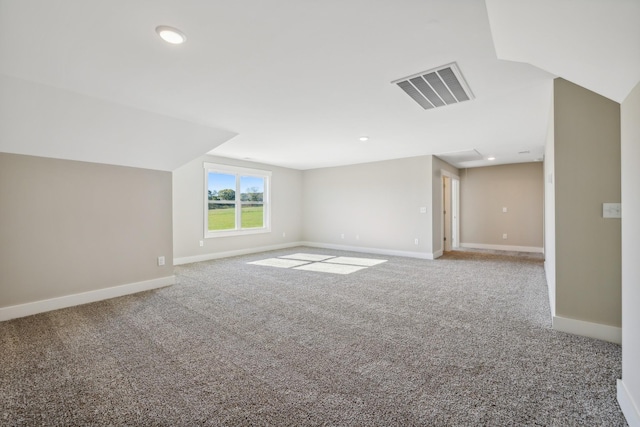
[
  {"x": 170, "y": 34},
  {"x": 491, "y": 158},
  {"x": 364, "y": 138}
]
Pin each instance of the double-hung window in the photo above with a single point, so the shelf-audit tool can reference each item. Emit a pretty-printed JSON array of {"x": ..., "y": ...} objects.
[{"x": 236, "y": 200}]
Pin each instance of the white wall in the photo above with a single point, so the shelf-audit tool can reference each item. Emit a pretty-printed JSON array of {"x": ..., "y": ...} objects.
[
  {"x": 629, "y": 387},
  {"x": 375, "y": 205},
  {"x": 188, "y": 213},
  {"x": 550, "y": 213}
]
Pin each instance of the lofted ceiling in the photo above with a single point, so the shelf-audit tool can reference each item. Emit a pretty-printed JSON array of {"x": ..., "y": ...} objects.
[{"x": 293, "y": 83}]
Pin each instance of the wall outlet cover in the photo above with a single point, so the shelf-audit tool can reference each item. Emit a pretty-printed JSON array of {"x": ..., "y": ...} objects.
[{"x": 611, "y": 210}]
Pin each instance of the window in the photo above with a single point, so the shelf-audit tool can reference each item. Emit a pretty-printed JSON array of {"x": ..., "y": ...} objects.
[{"x": 236, "y": 200}]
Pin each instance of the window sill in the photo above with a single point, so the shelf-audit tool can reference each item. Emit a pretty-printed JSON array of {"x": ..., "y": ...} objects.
[{"x": 231, "y": 233}]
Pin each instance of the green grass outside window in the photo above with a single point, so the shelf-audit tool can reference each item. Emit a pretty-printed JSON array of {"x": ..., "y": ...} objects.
[{"x": 224, "y": 219}]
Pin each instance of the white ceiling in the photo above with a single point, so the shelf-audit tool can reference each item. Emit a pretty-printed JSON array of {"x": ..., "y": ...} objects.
[
  {"x": 593, "y": 43},
  {"x": 298, "y": 81}
]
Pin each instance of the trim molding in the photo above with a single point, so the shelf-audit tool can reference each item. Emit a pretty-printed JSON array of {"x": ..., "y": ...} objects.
[
  {"x": 437, "y": 254},
  {"x": 629, "y": 409},
  {"x": 503, "y": 247},
  {"x": 379, "y": 251},
  {"x": 551, "y": 286},
  {"x": 42, "y": 306},
  {"x": 593, "y": 330},
  {"x": 227, "y": 254}
]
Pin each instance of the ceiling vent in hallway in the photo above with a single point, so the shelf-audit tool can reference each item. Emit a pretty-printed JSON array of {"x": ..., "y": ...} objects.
[
  {"x": 458, "y": 158},
  {"x": 437, "y": 87}
]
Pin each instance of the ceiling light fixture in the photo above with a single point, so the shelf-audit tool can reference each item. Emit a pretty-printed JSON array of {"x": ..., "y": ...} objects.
[
  {"x": 491, "y": 158},
  {"x": 171, "y": 35},
  {"x": 364, "y": 138}
]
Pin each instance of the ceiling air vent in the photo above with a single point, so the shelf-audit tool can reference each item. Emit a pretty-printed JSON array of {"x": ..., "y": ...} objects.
[
  {"x": 458, "y": 158},
  {"x": 436, "y": 88}
]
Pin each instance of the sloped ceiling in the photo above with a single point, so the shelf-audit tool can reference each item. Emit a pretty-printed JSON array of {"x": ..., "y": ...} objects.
[
  {"x": 298, "y": 82},
  {"x": 593, "y": 43},
  {"x": 45, "y": 121}
]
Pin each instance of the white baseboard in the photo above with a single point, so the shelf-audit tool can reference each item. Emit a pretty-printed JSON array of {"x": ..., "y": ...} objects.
[
  {"x": 437, "y": 254},
  {"x": 629, "y": 408},
  {"x": 593, "y": 330},
  {"x": 227, "y": 254},
  {"x": 30, "y": 308},
  {"x": 503, "y": 247},
  {"x": 379, "y": 251}
]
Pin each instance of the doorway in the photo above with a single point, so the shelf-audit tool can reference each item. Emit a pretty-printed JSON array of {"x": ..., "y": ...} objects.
[{"x": 450, "y": 211}]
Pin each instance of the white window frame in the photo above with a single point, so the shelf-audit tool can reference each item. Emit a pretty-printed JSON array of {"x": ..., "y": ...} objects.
[{"x": 238, "y": 172}]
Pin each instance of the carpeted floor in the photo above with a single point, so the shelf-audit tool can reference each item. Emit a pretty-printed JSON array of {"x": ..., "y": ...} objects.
[{"x": 461, "y": 341}]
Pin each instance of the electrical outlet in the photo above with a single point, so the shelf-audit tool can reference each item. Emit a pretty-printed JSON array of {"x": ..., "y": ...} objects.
[
  {"x": 415, "y": 241},
  {"x": 504, "y": 236},
  {"x": 504, "y": 210},
  {"x": 342, "y": 236},
  {"x": 160, "y": 260},
  {"x": 201, "y": 243}
]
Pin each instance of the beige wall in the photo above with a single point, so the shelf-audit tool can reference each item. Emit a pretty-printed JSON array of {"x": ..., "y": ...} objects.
[
  {"x": 188, "y": 212},
  {"x": 375, "y": 205},
  {"x": 485, "y": 191},
  {"x": 69, "y": 227},
  {"x": 630, "y": 149},
  {"x": 587, "y": 174}
]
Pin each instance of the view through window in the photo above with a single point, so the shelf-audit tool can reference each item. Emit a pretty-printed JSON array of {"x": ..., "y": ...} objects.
[{"x": 236, "y": 200}]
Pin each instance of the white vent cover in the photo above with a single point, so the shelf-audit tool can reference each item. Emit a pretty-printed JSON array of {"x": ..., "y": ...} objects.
[{"x": 437, "y": 87}]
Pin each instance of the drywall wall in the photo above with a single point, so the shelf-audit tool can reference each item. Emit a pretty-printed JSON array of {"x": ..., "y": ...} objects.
[
  {"x": 587, "y": 174},
  {"x": 188, "y": 213},
  {"x": 629, "y": 389},
  {"x": 485, "y": 191},
  {"x": 439, "y": 168},
  {"x": 376, "y": 206},
  {"x": 70, "y": 227},
  {"x": 550, "y": 213}
]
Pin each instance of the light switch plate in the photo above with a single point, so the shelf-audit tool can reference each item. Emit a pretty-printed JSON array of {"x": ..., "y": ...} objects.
[{"x": 611, "y": 210}]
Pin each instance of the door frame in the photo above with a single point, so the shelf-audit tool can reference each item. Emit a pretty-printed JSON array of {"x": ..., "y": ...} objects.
[{"x": 454, "y": 209}]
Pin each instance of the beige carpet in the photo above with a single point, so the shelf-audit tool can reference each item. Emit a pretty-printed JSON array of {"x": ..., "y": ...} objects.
[{"x": 461, "y": 341}]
